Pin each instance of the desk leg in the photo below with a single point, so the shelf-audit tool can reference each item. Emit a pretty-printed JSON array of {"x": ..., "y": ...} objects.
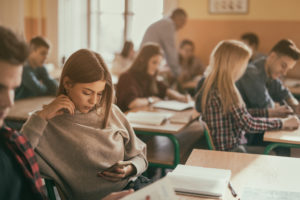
[
  {"x": 176, "y": 148},
  {"x": 272, "y": 146}
]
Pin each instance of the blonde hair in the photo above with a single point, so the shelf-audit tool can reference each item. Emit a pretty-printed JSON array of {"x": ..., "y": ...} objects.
[{"x": 225, "y": 60}]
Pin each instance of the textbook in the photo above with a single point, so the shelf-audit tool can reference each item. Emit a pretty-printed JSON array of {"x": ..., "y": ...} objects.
[
  {"x": 159, "y": 190},
  {"x": 200, "y": 181},
  {"x": 174, "y": 105},
  {"x": 148, "y": 118}
]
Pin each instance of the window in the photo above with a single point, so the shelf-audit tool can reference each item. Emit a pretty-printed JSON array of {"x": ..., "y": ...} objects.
[{"x": 104, "y": 25}]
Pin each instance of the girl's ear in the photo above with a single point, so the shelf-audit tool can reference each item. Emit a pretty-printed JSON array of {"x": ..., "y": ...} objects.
[{"x": 68, "y": 84}]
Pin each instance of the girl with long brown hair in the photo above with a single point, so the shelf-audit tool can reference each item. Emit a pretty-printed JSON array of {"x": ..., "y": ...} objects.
[
  {"x": 81, "y": 137},
  {"x": 139, "y": 85}
]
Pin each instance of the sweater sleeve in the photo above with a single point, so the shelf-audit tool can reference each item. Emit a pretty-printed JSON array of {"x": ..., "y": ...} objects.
[
  {"x": 33, "y": 129},
  {"x": 135, "y": 149},
  {"x": 251, "y": 124}
]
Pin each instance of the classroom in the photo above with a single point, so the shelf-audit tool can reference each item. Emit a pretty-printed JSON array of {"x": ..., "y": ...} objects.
[{"x": 149, "y": 99}]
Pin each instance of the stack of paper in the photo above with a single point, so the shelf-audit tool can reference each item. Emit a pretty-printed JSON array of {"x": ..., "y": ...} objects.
[
  {"x": 200, "y": 181},
  {"x": 174, "y": 105},
  {"x": 149, "y": 118}
]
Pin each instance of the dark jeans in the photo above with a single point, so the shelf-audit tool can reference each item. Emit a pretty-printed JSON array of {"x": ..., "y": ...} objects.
[{"x": 139, "y": 183}]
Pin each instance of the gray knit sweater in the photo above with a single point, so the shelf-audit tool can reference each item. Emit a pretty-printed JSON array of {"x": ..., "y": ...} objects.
[{"x": 72, "y": 149}]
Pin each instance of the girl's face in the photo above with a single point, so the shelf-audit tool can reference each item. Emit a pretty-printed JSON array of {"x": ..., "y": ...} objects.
[
  {"x": 153, "y": 64},
  {"x": 85, "y": 96},
  {"x": 187, "y": 51},
  {"x": 239, "y": 70}
]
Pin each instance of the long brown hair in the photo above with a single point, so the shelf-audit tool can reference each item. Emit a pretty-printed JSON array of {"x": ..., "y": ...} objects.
[
  {"x": 85, "y": 66},
  {"x": 225, "y": 59},
  {"x": 140, "y": 65}
]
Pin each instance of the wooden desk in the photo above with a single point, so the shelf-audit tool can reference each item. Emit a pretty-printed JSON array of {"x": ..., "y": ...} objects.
[
  {"x": 282, "y": 138},
  {"x": 293, "y": 85},
  {"x": 250, "y": 170},
  {"x": 22, "y": 108},
  {"x": 168, "y": 130}
]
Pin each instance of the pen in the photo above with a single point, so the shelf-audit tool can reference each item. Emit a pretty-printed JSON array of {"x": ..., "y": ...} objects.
[{"x": 234, "y": 194}]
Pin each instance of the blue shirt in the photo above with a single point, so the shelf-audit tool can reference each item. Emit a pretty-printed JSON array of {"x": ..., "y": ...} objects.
[
  {"x": 36, "y": 82},
  {"x": 258, "y": 90}
]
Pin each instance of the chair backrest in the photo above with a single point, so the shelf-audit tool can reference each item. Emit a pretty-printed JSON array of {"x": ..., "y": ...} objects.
[
  {"x": 50, "y": 189},
  {"x": 207, "y": 134},
  {"x": 208, "y": 138}
]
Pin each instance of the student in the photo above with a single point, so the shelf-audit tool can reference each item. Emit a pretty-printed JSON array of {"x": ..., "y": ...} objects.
[
  {"x": 163, "y": 32},
  {"x": 80, "y": 137},
  {"x": 19, "y": 172},
  {"x": 222, "y": 106},
  {"x": 191, "y": 66},
  {"x": 139, "y": 85},
  {"x": 123, "y": 61},
  {"x": 35, "y": 79},
  {"x": 261, "y": 87},
  {"x": 251, "y": 39}
]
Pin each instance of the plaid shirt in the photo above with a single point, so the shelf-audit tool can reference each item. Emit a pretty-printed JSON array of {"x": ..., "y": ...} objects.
[
  {"x": 227, "y": 129},
  {"x": 24, "y": 155}
]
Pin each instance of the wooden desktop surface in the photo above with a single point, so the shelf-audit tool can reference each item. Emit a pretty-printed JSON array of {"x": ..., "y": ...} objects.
[
  {"x": 22, "y": 108},
  {"x": 293, "y": 85},
  {"x": 167, "y": 126},
  {"x": 250, "y": 170},
  {"x": 283, "y": 136}
]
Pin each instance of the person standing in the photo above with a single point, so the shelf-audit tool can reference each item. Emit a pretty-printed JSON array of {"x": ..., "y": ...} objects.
[{"x": 163, "y": 32}]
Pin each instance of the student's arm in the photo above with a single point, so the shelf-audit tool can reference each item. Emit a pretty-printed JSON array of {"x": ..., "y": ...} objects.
[
  {"x": 31, "y": 82},
  {"x": 36, "y": 124},
  {"x": 135, "y": 151},
  {"x": 50, "y": 83},
  {"x": 140, "y": 102},
  {"x": 293, "y": 102},
  {"x": 251, "y": 124},
  {"x": 173, "y": 94}
]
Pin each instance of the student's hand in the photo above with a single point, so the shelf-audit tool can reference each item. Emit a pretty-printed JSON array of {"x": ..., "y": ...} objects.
[
  {"x": 297, "y": 109},
  {"x": 155, "y": 99},
  {"x": 117, "y": 172},
  {"x": 280, "y": 111},
  {"x": 57, "y": 107},
  {"x": 118, "y": 195},
  {"x": 290, "y": 123},
  {"x": 185, "y": 98}
]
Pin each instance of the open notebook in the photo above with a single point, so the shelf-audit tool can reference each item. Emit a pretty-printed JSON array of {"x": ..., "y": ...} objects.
[
  {"x": 148, "y": 118},
  {"x": 200, "y": 180},
  {"x": 174, "y": 105}
]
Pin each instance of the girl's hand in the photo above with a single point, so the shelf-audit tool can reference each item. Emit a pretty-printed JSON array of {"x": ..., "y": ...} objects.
[
  {"x": 290, "y": 123},
  {"x": 117, "y": 172},
  {"x": 280, "y": 111},
  {"x": 57, "y": 107}
]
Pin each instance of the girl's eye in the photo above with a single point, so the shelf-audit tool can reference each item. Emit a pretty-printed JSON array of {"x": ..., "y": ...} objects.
[
  {"x": 99, "y": 95},
  {"x": 86, "y": 93}
]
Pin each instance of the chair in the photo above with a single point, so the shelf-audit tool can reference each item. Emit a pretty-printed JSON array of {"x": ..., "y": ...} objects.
[
  {"x": 208, "y": 138},
  {"x": 50, "y": 189}
]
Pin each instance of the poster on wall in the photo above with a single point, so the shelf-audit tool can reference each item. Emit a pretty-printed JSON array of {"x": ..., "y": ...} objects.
[{"x": 228, "y": 6}]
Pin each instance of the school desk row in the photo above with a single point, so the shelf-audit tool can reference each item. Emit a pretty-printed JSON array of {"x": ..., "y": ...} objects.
[{"x": 271, "y": 173}]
